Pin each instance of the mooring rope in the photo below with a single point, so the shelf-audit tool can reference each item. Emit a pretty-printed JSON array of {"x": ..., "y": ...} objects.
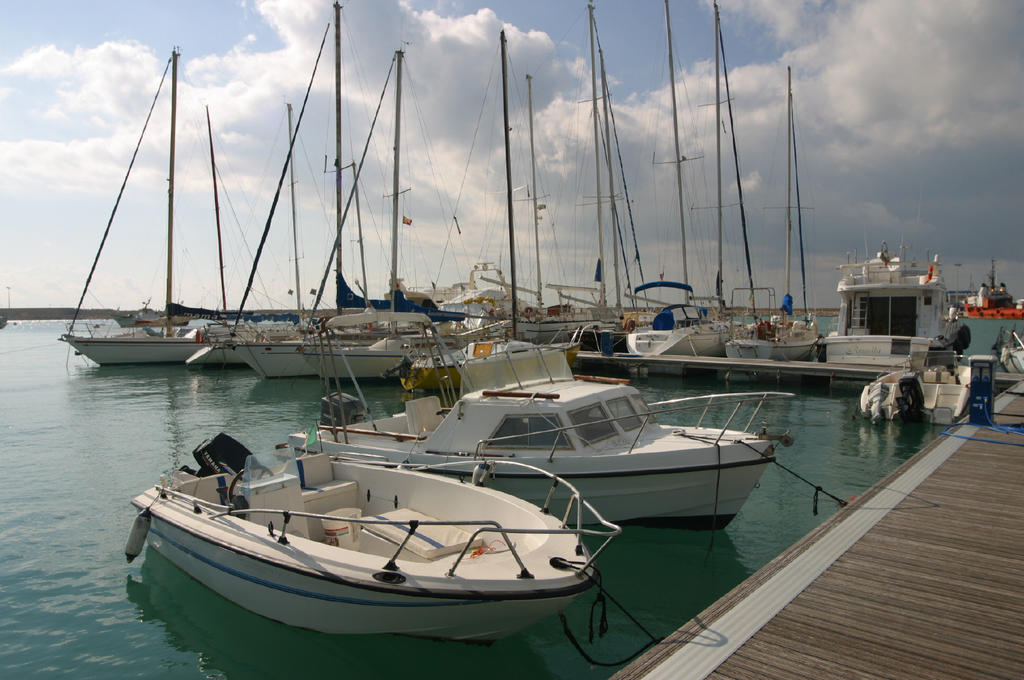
[
  {"x": 817, "y": 488},
  {"x": 603, "y": 622}
]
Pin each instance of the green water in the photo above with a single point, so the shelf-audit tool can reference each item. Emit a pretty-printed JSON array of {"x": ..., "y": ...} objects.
[{"x": 79, "y": 441}]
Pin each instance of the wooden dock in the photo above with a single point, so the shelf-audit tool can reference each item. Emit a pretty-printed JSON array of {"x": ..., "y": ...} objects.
[
  {"x": 725, "y": 368},
  {"x": 922, "y": 576}
]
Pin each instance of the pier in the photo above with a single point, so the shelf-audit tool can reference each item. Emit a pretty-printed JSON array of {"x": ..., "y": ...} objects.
[
  {"x": 726, "y": 368},
  {"x": 921, "y": 576}
]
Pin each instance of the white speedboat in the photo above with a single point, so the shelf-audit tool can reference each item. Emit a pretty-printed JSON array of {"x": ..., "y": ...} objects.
[
  {"x": 1010, "y": 349},
  {"x": 348, "y": 548},
  {"x": 597, "y": 433},
  {"x": 937, "y": 395},
  {"x": 893, "y": 314}
]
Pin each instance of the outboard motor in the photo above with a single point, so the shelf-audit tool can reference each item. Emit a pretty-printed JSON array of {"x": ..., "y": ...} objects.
[
  {"x": 910, "y": 403},
  {"x": 220, "y": 455},
  {"x": 341, "y": 409}
]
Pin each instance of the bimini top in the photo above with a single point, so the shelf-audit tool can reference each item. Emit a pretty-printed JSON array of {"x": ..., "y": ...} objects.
[{"x": 663, "y": 284}]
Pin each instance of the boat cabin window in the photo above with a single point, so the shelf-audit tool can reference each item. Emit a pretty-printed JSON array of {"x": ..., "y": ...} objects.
[
  {"x": 593, "y": 421},
  {"x": 892, "y": 315},
  {"x": 884, "y": 315},
  {"x": 528, "y": 432},
  {"x": 624, "y": 407},
  {"x": 641, "y": 407}
]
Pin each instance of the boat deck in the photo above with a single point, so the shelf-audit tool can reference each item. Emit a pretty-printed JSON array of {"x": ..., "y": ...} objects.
[
  {"x": 922, "y": 576},
  {"x": 760, "y": 369}
]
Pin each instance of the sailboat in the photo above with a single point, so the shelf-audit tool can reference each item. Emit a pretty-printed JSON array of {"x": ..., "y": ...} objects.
[
  {"x": 778, "y": 338},
  {"x": 146, "y": 345},
  {"x": 546, "y": 324},
  {"x": 684, "y": 329}
]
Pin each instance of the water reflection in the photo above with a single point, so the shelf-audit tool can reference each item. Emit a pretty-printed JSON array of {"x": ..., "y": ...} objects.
[{"x": 228, "y": 641}]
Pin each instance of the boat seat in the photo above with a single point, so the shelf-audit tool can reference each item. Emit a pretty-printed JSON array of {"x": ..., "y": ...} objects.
[
  {"x": 213, "y": 488},
  {"x": 320, "y": 490},
  {"x": 423, "y": 415},
  {"x": 429, "y": 542}
]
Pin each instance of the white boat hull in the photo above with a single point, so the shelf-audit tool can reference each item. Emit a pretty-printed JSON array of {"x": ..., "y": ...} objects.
[
  {"x": 884, "y": 351},
  {"x": 1013, "y": 360},
  {"x": 284, "y": 359},
  {"x": 135, "y": 350},
  {"x": 214, "y": 357},
  {"x": 691, "y": 341},
  {"x": 361, "y": 362},
  {"x": 770, "y": 349},
  {"x": 328, "y": 603}
]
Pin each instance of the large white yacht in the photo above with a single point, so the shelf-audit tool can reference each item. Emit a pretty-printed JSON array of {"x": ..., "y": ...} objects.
[{"x": 893, "y": 313}]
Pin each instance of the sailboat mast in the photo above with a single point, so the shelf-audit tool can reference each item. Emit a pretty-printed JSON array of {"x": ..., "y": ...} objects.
[
  {"x": 603, "y": 298},
  {"x": 611, "y": 185},
  {"x": 789, "y": 173},
  {"x": 359, "y": 226},
  {"x": 216, "y": 212},
  {"x": 718, "y": 160},
  {"x": 295, "y": 236},
  {"x": 394, "y": 185},
  {"x": 170, "y": 192},
  {"x": 508, "y": 186},
  {"x": 338, "y": 217},
  {"x": 533, "y": 180},
  {"x": 677, "y": 161}
]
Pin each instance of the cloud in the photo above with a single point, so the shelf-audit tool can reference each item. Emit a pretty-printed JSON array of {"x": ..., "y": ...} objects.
[{"x": 907, "y": 121}]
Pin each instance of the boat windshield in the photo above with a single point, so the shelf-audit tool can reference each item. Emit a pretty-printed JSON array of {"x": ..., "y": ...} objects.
[
  {"x": 267, "y": 467},
  {"x": 515, "y": 370}
]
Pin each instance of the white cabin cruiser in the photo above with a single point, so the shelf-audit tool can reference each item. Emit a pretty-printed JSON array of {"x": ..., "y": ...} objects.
[
  {"x": 597, "y": 433},
  {"x": 349, "y": 548},
  {"x": 893, "y": 314}
]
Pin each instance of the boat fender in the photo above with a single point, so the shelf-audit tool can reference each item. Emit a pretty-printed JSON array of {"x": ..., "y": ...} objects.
[
  {"x": 962, "y": 340},
  {"x": 561, "y": 563},
  {"x": 479, "y": 474},
  {"x": 137, "y": 535}
]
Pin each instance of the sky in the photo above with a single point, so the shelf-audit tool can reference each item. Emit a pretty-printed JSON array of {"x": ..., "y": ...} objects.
[{"x": 907, "y": 118}]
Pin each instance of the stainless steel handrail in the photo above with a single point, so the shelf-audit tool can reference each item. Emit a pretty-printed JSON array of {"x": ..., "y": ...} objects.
[
  {"x": 745, "y": 397},
  {"x": 484, "y": 526}
]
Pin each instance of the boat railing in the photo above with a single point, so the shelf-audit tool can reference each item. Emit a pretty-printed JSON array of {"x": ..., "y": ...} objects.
[
  {"x": 575, "y": 508},
  {"x": 701, "y": 403}
]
